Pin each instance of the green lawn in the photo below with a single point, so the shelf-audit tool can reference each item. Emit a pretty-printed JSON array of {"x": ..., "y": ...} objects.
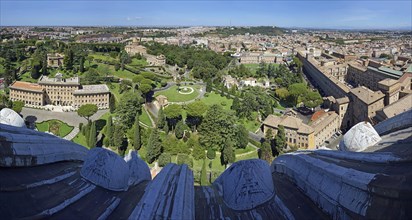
[
  {"x": 136, "y": 62},
  {"x": 80, "y": 139},
  {"x": 173, "y": 94},
  {"x": 63, "y": 128},
  {"x": 144, "y": 118},
  {"x": 214, "y": 98},
  {"x": 102, "y": 57},
  {"x": 248, "y": 148},
  {"x": 253, "y": 155},
  {"x": 114, "y": 89},
  {"x": 250, "y": 125}
]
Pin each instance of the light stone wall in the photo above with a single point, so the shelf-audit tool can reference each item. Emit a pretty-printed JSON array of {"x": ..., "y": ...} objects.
[{"x": 28, "y": 97}]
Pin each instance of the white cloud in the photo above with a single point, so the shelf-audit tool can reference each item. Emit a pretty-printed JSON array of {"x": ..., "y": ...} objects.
[{"x": 133, "y": 18}]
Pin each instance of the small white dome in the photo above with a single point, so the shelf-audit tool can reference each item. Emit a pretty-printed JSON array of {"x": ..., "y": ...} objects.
[
  {"x": 359, "y": 137},
  {"x": 106, "y": 169},
  {"x": 139, "y": 171},
  {"x": 242, "y": 187},
  {"x": 10, "y": 117}
]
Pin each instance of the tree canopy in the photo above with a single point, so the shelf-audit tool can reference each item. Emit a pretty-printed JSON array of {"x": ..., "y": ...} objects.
[
  {"x": 129, "y": 105},
  {"x": 217, "y": 127},
  {"x": 86, "y": 111}
]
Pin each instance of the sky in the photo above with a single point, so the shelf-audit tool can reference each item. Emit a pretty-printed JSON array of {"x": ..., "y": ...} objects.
[{"x": 353, "y": 14}]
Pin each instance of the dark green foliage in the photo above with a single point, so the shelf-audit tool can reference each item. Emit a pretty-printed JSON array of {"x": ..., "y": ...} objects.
[
  {"x": 44, "y": 65},
  {"x": 91, "y": 77},
  {"x": 161, "y": 119},
  {"x": 198, "y": 152},
  {"x": 203, "y": 175},
  {"x": 137, "y": 142},
  {"x": 204, "y": 63},
  {"x": 180, "y": 130},
  {"x": 68, "y": 59},
  {"x": 217, "y": 127},
  {"x": 127, "y": 108},
  {"x": 184, "y": 159},
  {"x": 164, "y": 159},
  {"x": 106, "y": 141},
  {"x": 173, "y": 146},
  {"x": 18, "y": 106},
  {"x": 35, "y": 71},
  {"x": 92, "y": 136},
  {"x": 154, "y": 147},
  {"x": 240, "y": 71},
  {"x": 241, "y": 137},
  {"x": 195, "y": 111},
  {"x": 110, "y": 130},
  {"x": 112, "y": 103},
  {"x": 208, "y": 86},
  {"x": 166, "y": 128},
  {"x": 173, "y": 114},
  {"x": 116, "y": 66},
  {"x": 280, "y": 139},
  {"x": 211, "y": 154},
  {"x": 87, "y": 110},
  {"x": 228, "y": 154},
  {"x": 125, "y": 85},
  {"x": 296, "y": 90},
  {"x": 312, "y": 99},
  {"x": 254, "y": 99},
  {"x": 265, "y": 152},
  {"x": 81, "y": 64},
  {"x": 119, "y": 140}
]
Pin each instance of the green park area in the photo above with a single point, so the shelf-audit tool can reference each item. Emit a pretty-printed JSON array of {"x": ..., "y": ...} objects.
[
  {"x": 180, "y": 93},
  {"x": 56, "y": 127}
]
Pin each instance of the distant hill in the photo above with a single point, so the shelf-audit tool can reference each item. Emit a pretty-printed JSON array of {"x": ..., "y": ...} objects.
[{"x": 227, "y": 31}]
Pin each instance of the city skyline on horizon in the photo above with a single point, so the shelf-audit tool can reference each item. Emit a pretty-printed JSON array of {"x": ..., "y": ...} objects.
[{"x": 391, "y": 15}]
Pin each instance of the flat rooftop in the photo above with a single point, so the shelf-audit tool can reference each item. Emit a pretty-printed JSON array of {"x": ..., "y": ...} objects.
[
  {"x": 366, "y": 95},
  {"x": 92, "y": 89},
  {"x": 68, "y": 81},
  {"x": 387, "y": 71}
]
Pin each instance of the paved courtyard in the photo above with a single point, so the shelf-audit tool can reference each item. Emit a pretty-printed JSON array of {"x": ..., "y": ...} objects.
[{"x": 71, "y": 118}]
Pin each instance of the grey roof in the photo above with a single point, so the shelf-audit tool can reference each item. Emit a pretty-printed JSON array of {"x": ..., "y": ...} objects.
[{"x": 92, "y": 89}]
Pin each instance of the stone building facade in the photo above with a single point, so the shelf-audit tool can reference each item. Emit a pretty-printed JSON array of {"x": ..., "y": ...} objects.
[
  {"x": 55, "y": 60},
  {"x": 29, "y": 93},
  {"x": 297, "y": 133},
  {"x": 301, "y": 135},
  {"x": 59, "y": 91},
  {"x": 370, "y": 76},
  {"x": 365, "y": 104}
]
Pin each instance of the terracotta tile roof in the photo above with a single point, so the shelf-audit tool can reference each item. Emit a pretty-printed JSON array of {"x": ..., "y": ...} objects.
[
  {"x": 289, "y": 122},
  {"x": 317, "y": 115},
  {"x": 26, "y": 86}
]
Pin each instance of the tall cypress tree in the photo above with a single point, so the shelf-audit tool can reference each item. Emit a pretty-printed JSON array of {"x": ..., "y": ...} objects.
[
  {"x": 109, "y": 130},
  {"x": 112, "y": 103},
  {"x": 203, "y": 175},
  {"x": 280, "y": 139},
  {"x": 154, "y": 146},
  {"x": 136, "y": 136},
  {"x": 228, "y": 154},
  {"x": 92, "y": 136},
  {"x": 161, "y": 119},
  {"x": 81, "y": 68}
]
